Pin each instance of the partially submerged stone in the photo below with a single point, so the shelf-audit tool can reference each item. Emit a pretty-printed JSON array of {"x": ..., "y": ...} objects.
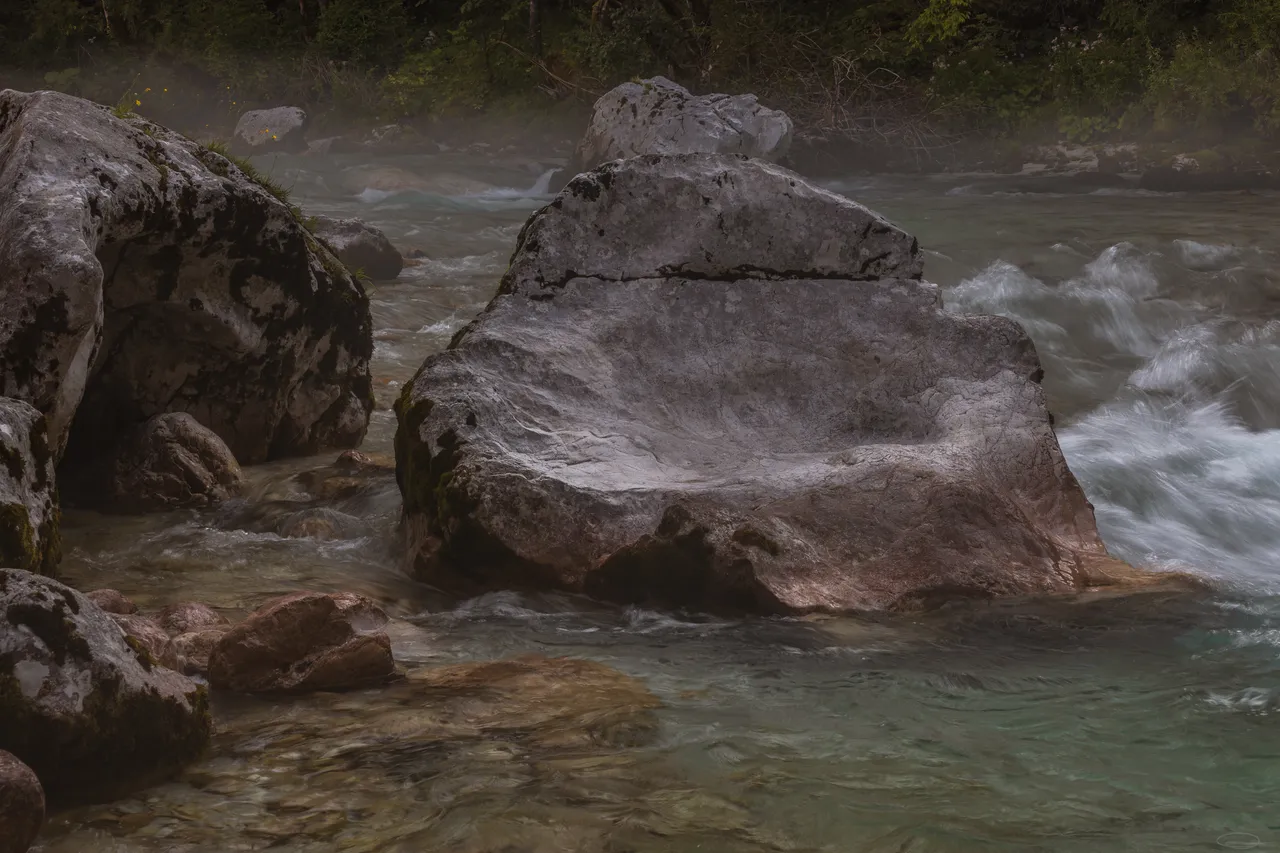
[
  {"x": 142, "y": 273},
  {"x": 195, "y": 647},
  {"x": 148, "y": 636},
  {"x": 189, "y": 616},
  {"x": 305, "y": 641},
  {"x": 85, "y": 706},
  {"x": 21, "y": 805},
  {"x": 274, "y": 129},
  {"x": 658, "y": 116},
  {"x": 111, "y": 601},
  {"x": 706, "y": 383},
  {"x": 29, "y": 536},
  {"x": 172, "y": 462},
  {"x": 360, "y": 246}
]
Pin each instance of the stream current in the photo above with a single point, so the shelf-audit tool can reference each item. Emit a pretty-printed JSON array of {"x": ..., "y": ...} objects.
[{"x": 1148, "y": 722}]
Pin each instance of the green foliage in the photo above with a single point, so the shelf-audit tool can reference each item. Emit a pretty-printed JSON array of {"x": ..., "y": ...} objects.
[{"x": 368, "y": 32}]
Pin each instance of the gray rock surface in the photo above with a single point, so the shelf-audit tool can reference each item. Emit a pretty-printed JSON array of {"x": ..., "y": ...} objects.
[
  {"x": 142, "y": 273},
  {"x": 172, "y": 462},
  {"x": 29, "y": 537},
  {"x": 704, "y": 382},
  {"x": 360, "y": 246},
  {"x": 658, "y": 116},
  {"x": 275, "y": 129},
  {"x": 84, "y": 706},
  {"x": 21, "y": 805}
]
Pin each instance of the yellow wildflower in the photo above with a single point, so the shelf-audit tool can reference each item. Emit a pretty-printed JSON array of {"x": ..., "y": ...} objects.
[{"x": 137, "y": 103}]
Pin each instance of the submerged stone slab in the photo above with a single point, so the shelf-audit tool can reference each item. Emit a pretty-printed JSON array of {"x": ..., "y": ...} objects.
[{"x": 706, "y": 383}]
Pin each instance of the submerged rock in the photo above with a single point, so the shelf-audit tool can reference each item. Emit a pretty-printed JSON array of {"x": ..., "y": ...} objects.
[
  {"x": 305, "y": 641},
  {"x": 112, "y": 601},
  {"x": 172, "y": 462},
  {"x": 734, "y": 390},
  {"x": 84, "y": 705},
  {"x": 21, "y": 805},
  {"x": 661, "y": 117},
  {"x": 142, "y": 273},
  {"x": 360, "y": 246},
  {"x": 29, "y": 536},
  {"x": 275, "y": 129}
]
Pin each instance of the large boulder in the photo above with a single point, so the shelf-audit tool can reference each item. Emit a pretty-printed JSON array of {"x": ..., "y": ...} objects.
[
  {"x": 269, "y": 130},
  {"x": 21, "y": 805},
  {"x": 88, "y": 709},
  {"x": 705, "y": 382},
  {"x": 360, "y": 246},
  {"x": 305, "y": 641},
  {"x": 29, "y": 537},
  {"x": 171, "y": 462},
  {"x": 661, "y": 117},
  {"x": 142, "y": 273}
]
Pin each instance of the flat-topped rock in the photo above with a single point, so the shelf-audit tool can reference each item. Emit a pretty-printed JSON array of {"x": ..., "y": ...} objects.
[{"x": 705, "y": 383}]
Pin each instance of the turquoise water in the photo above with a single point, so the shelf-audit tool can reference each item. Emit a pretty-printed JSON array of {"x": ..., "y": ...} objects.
[{"x": 1139, "y": 723}]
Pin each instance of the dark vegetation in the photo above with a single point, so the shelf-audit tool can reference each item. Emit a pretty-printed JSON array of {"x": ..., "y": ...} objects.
[{"x": 916, "y": 73}]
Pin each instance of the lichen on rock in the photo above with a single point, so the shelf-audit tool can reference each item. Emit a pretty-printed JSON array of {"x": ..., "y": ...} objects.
[{"x": 29, "y": 515}]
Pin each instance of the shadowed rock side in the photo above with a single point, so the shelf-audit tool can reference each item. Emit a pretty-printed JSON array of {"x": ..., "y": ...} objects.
[
  {"x": 707, "y": 383},
  {"x": 84, "y": 705},
  {"x": 360, "y": 246},
  {"x": 658, "y": 116},
  {"x": 29, "y": 537},
  {"x": 21, "y": 805},
  {"x": 141, "y": 273},
  {"x": 170, "y": 462}
]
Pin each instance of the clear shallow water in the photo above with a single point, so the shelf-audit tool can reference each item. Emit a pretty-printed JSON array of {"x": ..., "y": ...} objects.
[{"x": 1145, "y": 723}]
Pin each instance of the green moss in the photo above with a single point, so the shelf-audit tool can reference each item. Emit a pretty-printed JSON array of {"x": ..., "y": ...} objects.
[{"x": 17, "y": 538}]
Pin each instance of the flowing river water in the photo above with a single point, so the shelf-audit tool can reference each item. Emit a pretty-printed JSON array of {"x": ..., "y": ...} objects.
[{"x": 1105, "y": 723}]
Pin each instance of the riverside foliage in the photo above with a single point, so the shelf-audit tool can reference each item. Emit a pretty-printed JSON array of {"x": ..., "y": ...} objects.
[{"x": 916, "y": 71}]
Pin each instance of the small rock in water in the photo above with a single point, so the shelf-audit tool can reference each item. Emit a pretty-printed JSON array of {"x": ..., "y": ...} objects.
[
  {"x": 275, "y": 129},
  {"x": 322, "y": 523},
  {"x": 305, "y": 641},
  {"x": 86, "y": 708},
  {"x": 190, "y": 616},
  {"x": 148, "y": 634},
  {"x": 195, "y": 647},
  {"x": 360, "y": 246},
  {"x": 173, "y": 462},
  {"x": 21, "y": 805},
  {"x": 112, "y": 601}
]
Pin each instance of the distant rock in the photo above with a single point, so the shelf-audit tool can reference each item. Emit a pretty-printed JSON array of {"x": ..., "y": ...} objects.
[
  {"x": 84, "y": 705},
  {"x": 29, "y": 517},
  {"x": 658, "y": 116},
  {"x": 142, "y": 273},
  {"x": 275, "y": 129},
  {"x": 112, "y": 601},
  {"x": 735, "y": 391},
  {"x": 172, "y": 462},
  {"x": 21, "y": 805},
  {"x": 305, "y": 641},
  {"x": 360, "y": 246},
  {"x": 1207, "y": 171}
]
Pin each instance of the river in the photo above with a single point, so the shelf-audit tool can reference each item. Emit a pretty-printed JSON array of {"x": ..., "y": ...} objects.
[{"x": 1105, "y": 723}]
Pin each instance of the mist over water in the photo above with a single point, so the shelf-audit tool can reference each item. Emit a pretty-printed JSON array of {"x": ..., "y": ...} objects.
[{"x": 1131, "y": 723}]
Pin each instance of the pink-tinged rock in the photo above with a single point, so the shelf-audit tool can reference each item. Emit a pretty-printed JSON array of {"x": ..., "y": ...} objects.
[
  {"x": 146, "y": 634},
  {"x": 305, "y": 641},
  {"x": 112, "y": 601},
  {"x": 21, "y": 805},
  {"x": 190, "y": 616}
]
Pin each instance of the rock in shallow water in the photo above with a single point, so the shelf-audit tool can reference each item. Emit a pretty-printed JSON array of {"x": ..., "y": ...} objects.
[
  {"x": 706, "y": 383},
  {"x": 661, "y": 117},
  {"x": 112, "y": 601},
  {"x": 148, "y": 636},
  {"x": 190, "y": 616},
  {"x": 87, "y": 708},
  {"x": 29, "y": 536},
  {"x": 360, "y": 246},
  {"x": 21, "y": 805},
  {"x": 275, "y": 129},
  {"x": 142, "y": 273},
  {"x": 305, "y": 641},
  {"x": 172, "y": 462}
]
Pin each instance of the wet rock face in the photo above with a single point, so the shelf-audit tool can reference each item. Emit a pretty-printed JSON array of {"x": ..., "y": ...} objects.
[
  {"x": 735, "y": 391},
  {"x": 141, "y": 273},
  {"x": 21, "y": 805},
  {"x": 29, "y": 537},
  {"x": 661, "y": 117},
  {"x": 86, "y": 707},
  {"x": 305, "y": 641},
  {"x": 265, "y": 131},
  {"x": 171, "y": 462},
  {"x": 360, "y": 246}
]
